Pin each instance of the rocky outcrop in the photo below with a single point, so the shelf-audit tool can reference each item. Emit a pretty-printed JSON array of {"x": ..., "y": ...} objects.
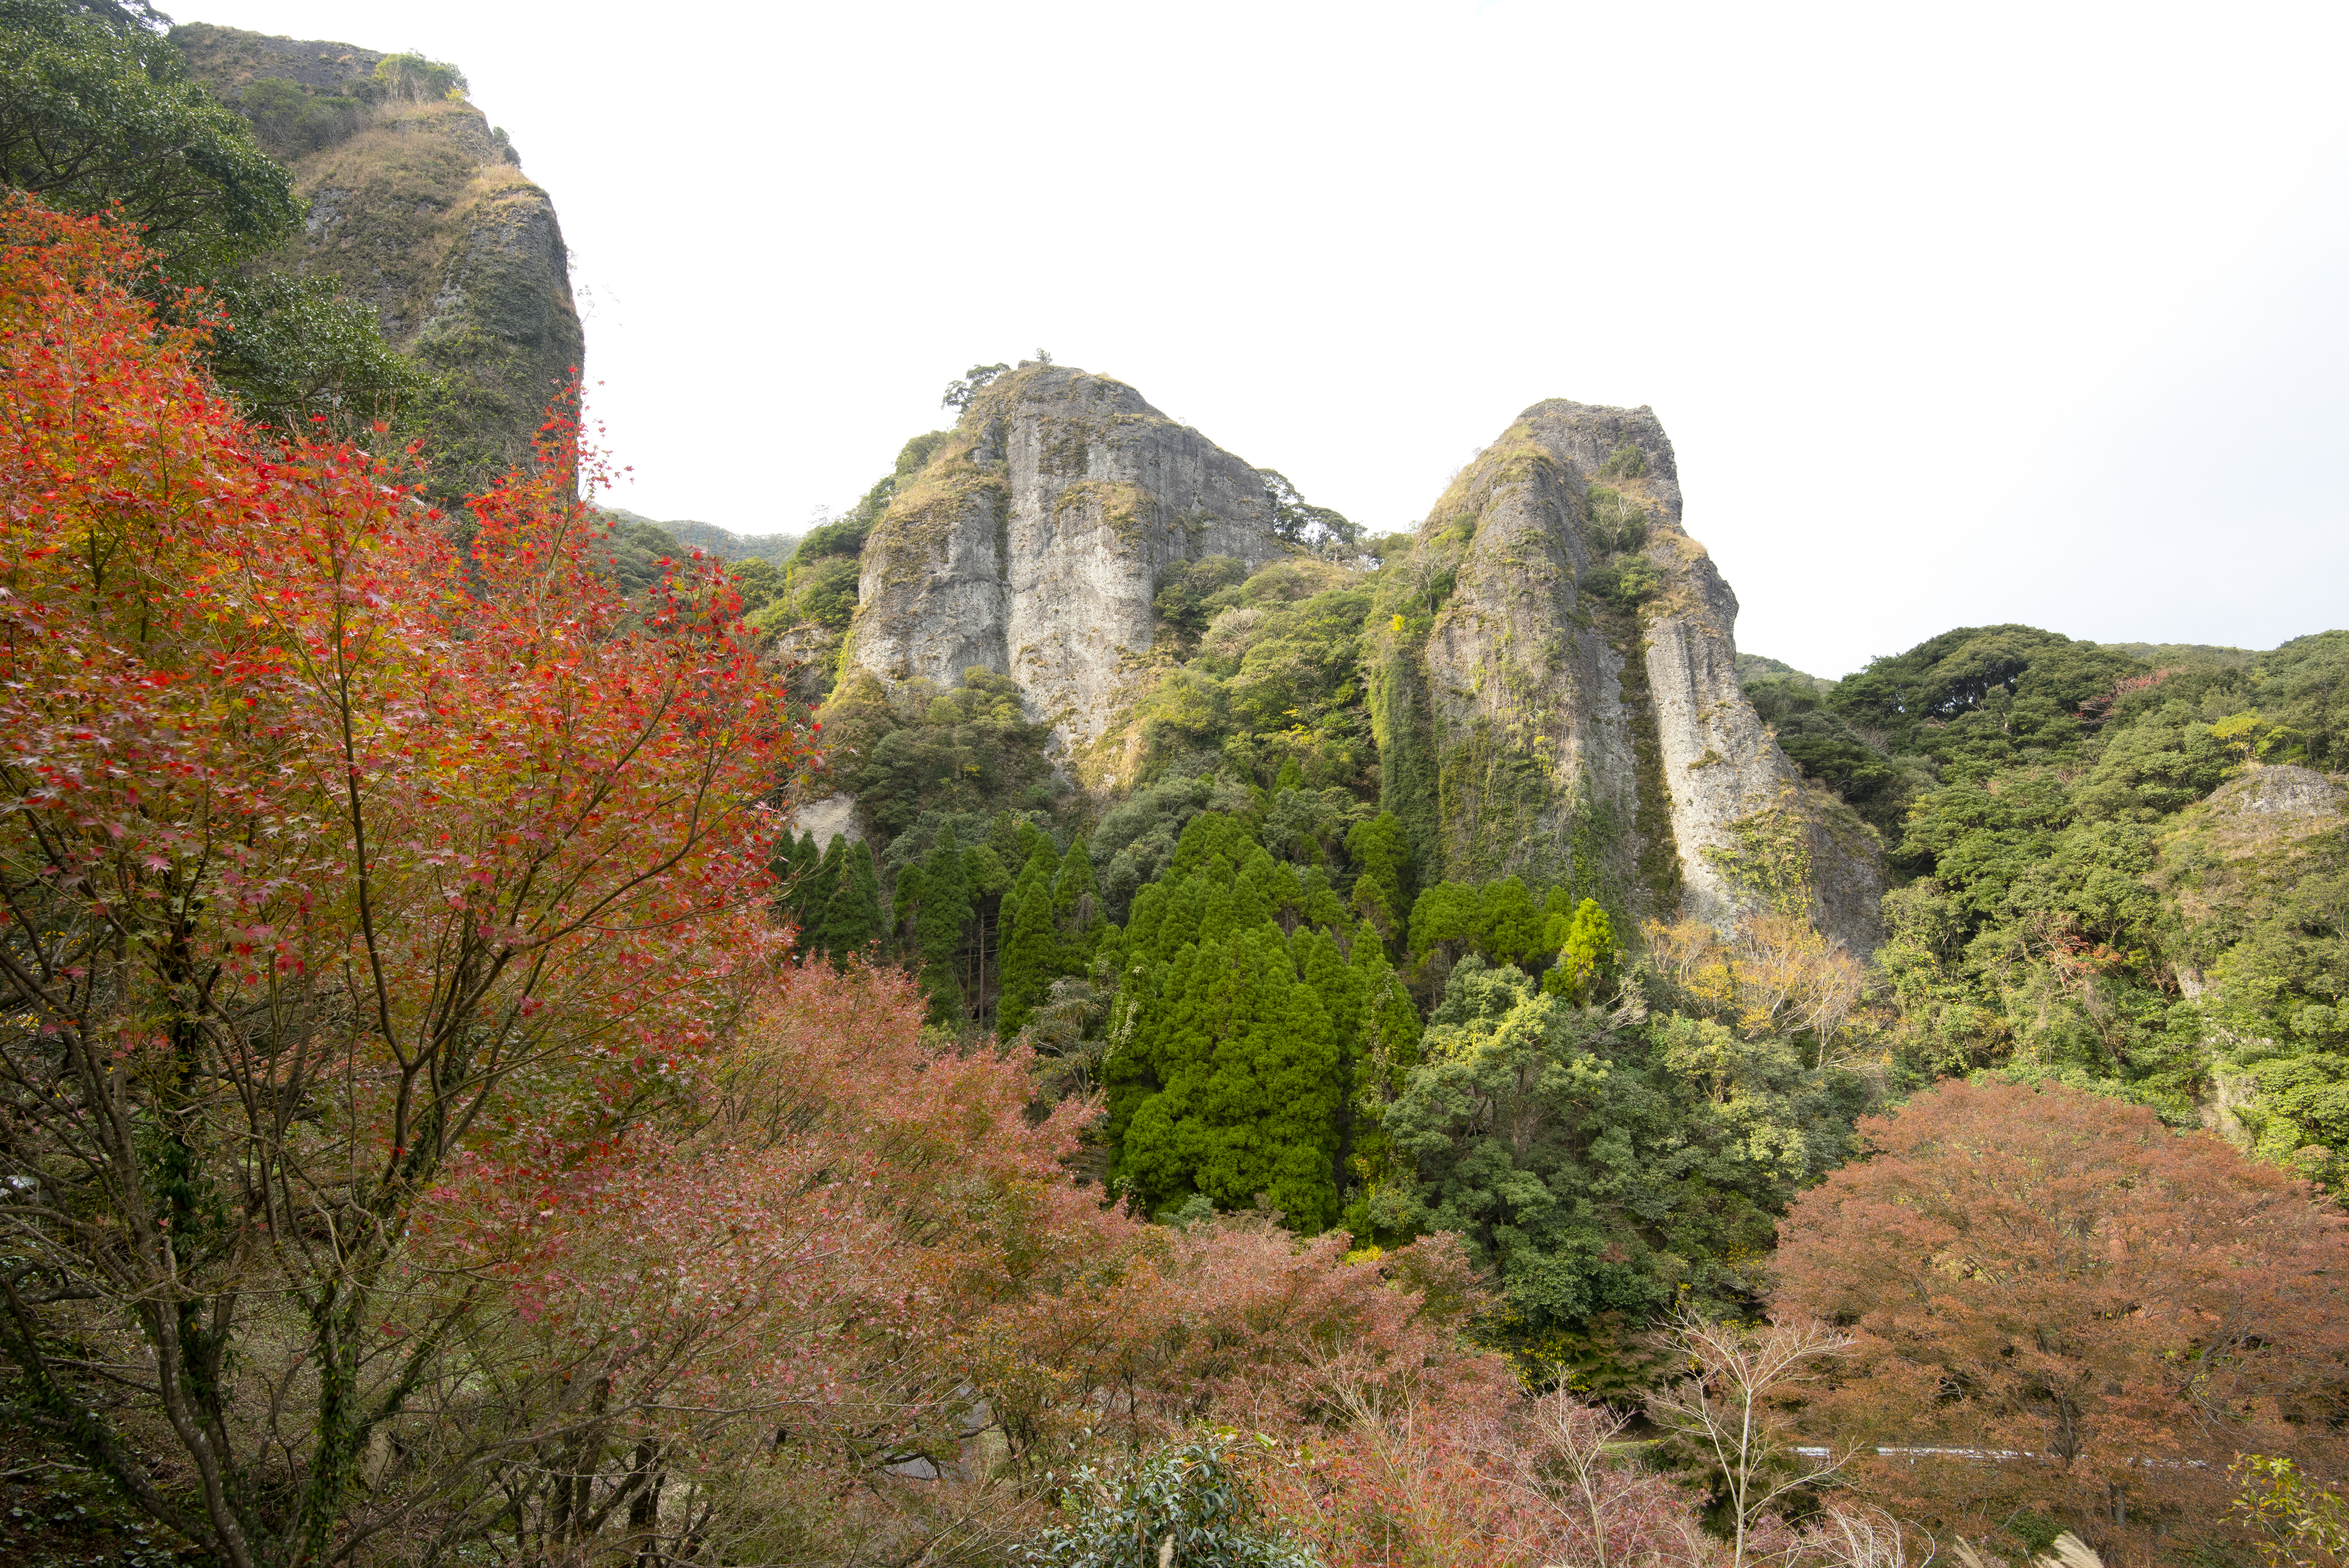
[
  {"x": 2302, "y": 799},
  {"x": 1553, "y": 673},
  {"x": 834, "y": 816},
  {"x": 420, "y": 207},
  {"x": 1031, "y": 545},
  {"x": 1557, "y": 695}
]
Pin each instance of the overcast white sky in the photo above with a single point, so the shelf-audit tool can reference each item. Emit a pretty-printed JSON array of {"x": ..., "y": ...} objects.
[{"x": 1955, "y": 314}]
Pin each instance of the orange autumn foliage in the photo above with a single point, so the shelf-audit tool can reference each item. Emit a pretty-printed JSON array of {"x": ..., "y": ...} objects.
[
  {"x": 2076, "y": 1309},
  {"x": 328, "y": 851}
]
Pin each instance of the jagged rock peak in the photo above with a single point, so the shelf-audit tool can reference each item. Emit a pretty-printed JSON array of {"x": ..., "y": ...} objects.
[
  {"x": 1031, "y": 542},
  {"x": 1555, "y": 694}
]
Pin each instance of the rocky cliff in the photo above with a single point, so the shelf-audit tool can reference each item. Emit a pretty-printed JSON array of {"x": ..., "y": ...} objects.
[
  {"x": 1552, "y": 669},
  {"x": 420, "y": 207},
  {"x": 1555, "y": 691},
  {"x": 1032, "y": 543}
]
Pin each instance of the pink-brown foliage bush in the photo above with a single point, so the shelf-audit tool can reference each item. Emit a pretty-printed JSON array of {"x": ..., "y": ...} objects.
[{"x": 845, "y": 1293}]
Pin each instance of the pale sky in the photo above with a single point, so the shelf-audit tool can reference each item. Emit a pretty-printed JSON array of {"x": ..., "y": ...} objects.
[{"x": 1955, "y": 315}]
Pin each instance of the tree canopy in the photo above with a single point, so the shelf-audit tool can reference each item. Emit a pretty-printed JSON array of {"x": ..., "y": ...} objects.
[{"x": 2110, "y": 1309}]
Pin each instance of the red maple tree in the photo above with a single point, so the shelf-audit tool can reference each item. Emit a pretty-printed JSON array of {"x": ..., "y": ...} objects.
[{"x": 326, "y": 848}]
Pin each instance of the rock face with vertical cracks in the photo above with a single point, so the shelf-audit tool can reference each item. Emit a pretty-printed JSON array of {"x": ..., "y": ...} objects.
[
  {"x": 1032, "y": 543},
  {"x": 1555, "y": 694}
]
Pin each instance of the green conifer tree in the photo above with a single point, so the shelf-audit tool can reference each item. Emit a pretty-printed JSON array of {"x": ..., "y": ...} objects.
[
  {"x": 1558, "y": 915},
  {"x": 902, "y": 908},
  {"x": 1390, "y": 1031},
  {"x": 1324, "y": 970},
  {"x": 1206, "y": 836},
  {"x": 1221, "y": 910},
  {"x": 1386, "y": 1049},
  {"x": 1321, "y": 905},
  {"x": 1381, "y": 858},
  {"x": 1231, "y": 1085},
  {"x": 817, "y": 883},
  {"x": 944, "y": 910},
  {"x": 1509, "y": 923},
  {"x": 1076, "y": 896},
  {"x": 1268, "y": 890},
  {"x": 795, "y": 868},
  {"x": 1032, "y": 957},
  {"x": 1446, "y": 912},
  {"x": 852, "y": 915},
  {"x": 1588, "y": 957}
]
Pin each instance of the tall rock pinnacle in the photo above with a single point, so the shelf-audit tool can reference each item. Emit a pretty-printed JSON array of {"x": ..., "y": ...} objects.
[{"x": 1032, "y": 543}]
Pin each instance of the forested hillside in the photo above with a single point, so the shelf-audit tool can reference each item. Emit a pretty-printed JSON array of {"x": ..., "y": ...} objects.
[
  {"x": 1081, "y": 1011},
  {"x": 2126, "y": 868},
  {"x": 2124, "y": 874}
]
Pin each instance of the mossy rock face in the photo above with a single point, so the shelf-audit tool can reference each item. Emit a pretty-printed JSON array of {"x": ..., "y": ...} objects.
[
  {"x": 1033, "y": 541},
  {"x": 1555, "y": 694},
  {"x": 420, "y": 210}
]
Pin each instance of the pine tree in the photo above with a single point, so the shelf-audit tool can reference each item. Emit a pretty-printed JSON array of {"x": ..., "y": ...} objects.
[
  {"x": 852, "y": 915},
  {"x": 944, "y": 910},
  {"x": 1032, "y": 954},
  {"x": 1382, "y": 857}
]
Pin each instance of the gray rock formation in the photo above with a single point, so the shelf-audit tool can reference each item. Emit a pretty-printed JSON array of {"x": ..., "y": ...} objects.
[
  {"x": 1557, "y": 695},
  {"x": 2280, "y": 789},
  {"x": 834, "y": 816},
  {"x": 1032, "y": 543},
  {"x": 421, "y": 208},
  {"x": 1553, "y": 672}
]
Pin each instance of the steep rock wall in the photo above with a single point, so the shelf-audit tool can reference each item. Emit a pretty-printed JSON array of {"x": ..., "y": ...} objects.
[
  {"x": 1556, "y": 696},
  {"x": 1032, "y": 543},
  {"x": 421, "y": 209}
]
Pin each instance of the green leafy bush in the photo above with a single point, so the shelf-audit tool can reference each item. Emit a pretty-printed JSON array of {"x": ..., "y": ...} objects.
[
  {"x": 99, "y": 110},
  {"x": 297, "y": 353},
  {"x": 919, "y": 749},
  {"x": 1601, "y": 1168},
  {"x": 1183, "y": 1503}
]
